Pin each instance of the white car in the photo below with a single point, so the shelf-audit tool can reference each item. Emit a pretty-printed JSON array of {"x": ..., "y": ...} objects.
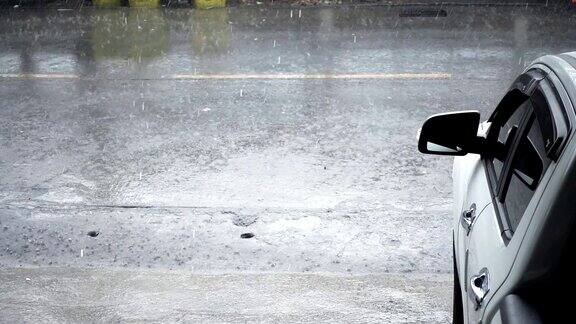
[{"x": 514, "y": 198}]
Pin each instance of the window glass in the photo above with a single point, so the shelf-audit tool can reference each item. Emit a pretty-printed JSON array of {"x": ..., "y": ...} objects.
[
  {"x": 528, "y": 166},
  {"x": 541, "y": 104},
  {"x": 506, "y": 135}
]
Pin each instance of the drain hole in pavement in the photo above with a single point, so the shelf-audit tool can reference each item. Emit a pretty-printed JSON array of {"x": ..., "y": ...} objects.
[
  {"x": 93, "y": 233},
  {"x": 246, "y": 235},
  {"x": 423, "y": 12}
]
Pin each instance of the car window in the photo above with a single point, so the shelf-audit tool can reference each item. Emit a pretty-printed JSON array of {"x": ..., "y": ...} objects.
[
  {"x": 526, "y": 170},
  {"x": 542, "y": 104},
  {"x": 506, "y": 134}
]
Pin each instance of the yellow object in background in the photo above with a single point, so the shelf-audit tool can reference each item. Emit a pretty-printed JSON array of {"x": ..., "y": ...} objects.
[
  {"x": 144, "y": 3},
  {"x": 209, "y": 4},
  {"x": 107, "y": 3},
  {"x": 210, "y": 31},
  {"x": 137, "y": 35}
]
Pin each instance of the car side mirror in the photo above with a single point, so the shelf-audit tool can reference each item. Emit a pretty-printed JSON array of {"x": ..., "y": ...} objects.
[{"x": 454, "y": 133}]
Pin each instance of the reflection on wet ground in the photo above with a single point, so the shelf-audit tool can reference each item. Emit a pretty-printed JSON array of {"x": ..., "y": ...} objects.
[{"x": 155, "y": 43}]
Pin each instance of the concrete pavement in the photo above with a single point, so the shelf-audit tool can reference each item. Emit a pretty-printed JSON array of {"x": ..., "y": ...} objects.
[{"x": 92, "y": 295}]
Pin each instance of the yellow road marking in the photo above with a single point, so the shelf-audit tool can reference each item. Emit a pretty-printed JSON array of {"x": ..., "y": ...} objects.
[{"x": 350, "y": 76}]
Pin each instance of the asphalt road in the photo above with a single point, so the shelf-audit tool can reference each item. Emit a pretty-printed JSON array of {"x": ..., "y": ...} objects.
[{"x": 167, "y": 134}]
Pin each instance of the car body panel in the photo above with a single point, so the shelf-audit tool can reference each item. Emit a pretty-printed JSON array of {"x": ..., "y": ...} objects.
[
  {"x": 536, "y": 228},
  {"x": 485, "y": 247},
  {"x": 469, "y": 175},
  {"x": 524, "y": 241},
  {"x": 489, "y": 250}
]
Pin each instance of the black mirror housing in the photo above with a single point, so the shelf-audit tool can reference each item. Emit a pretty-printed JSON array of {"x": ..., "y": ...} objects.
[{"x": 454, "y": 133}]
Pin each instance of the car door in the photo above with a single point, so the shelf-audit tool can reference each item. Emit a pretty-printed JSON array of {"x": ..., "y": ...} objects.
[
  {"x": 472, "y": 196},
  {"x": 485, "y": 237},
  {"x": 475, "y": 184},
  {"x": 525, "y": 132}
]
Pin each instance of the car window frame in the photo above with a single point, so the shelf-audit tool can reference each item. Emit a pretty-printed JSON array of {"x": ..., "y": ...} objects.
[
  {"x": 529, "y": 120},
  {"x": 517, "y": 95},
  {"x": 499, "y": 187}
]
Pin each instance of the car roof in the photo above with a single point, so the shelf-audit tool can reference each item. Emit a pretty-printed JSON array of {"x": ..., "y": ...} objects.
[
  {"x": 569, "y": 57},
  {"x": 564, "y": 66}
]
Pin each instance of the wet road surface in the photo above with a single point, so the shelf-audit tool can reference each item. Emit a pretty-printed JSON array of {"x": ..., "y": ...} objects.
[
  {"x": 170, "y": 133},
  {"x": 88, "y": 295}
]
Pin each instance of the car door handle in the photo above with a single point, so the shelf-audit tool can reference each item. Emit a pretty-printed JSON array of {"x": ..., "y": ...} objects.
[
  {"x": 480, "y": 287},
  {"x": 467, "y": 218}
]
